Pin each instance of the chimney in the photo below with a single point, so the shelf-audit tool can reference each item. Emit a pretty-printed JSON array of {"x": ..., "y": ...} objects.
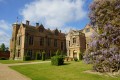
[
  {"x": 37, "y": 24},
  {"x": 60, "y": 31},
  {"x": 27, "y": 22}
]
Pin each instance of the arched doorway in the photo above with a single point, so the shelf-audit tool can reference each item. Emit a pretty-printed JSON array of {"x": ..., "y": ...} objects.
[{"x": 74, "y": 54}]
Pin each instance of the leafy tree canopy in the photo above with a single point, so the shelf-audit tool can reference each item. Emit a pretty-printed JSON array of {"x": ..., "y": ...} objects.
[{"x": 3, "y": 48}]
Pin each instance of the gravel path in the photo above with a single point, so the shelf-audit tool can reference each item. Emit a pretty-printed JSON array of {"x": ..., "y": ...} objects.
[
  {"x": 7, "y": 73},
  {"x": 26, "y": 63}
]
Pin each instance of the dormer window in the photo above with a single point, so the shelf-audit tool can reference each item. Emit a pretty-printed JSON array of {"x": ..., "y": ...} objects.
[{"x": 41, "y": 28}]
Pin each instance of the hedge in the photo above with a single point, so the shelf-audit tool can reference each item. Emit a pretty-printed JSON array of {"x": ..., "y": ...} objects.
[
  {"x": 38, "y": 57},
  {"x": 75, "y": 59},
  {"x": 26, "y": 58},
  {"x": 57, "y": 60},
  {"x": 3, "y": 58},
  {"x": 80, "y": 56},
  {"x": 43, "y": 56}
]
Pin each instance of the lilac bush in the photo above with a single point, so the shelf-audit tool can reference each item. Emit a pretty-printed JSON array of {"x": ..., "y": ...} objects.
[{"x": 104, "y": 51}]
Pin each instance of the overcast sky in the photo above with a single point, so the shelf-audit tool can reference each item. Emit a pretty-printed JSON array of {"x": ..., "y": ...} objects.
[{"x": 61, "y": 14}]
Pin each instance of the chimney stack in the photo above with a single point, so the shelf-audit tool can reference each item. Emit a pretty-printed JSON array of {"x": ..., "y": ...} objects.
[
  {"x": 27, "y": 22},
  {"x": 37, "y": 24},
  {"x": 60, "y": 31}
]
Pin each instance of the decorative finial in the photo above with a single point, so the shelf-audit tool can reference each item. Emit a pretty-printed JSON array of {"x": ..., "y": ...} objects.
[{"x": 17, "y": 20}]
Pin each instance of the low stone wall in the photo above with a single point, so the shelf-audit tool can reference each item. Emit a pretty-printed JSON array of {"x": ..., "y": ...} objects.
[
  {"x": 5, "y": 54},
  {"x": 68, "y": 59}
]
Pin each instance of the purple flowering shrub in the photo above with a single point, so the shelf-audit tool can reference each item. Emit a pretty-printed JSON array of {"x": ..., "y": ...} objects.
[{"x": 104, "y": 50}]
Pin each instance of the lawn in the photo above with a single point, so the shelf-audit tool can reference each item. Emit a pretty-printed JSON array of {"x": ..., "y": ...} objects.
[
  {"x": 70, "y": 71},
  {"x": 16, "y": 61}
]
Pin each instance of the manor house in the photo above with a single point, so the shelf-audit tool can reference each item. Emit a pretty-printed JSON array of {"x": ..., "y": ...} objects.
[{"x": 27, "y": 40}]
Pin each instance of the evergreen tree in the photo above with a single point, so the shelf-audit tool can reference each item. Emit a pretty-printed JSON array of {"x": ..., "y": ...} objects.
[{"x": 3, "y": 47}]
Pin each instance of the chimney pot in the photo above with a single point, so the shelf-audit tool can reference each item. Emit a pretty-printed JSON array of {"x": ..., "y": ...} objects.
[
  {"x": 27, "y": 22},
  {"x": 37, "y": 24},
  {"x": 60, "y": 31}
]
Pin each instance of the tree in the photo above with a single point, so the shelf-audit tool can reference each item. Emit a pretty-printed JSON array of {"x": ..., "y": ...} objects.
[
  {"x": 43, "y": 55},
  {"x": 3, "y": 47},
  {"x": 6, "y": 49},
  {"x": 104, "y": 50}
]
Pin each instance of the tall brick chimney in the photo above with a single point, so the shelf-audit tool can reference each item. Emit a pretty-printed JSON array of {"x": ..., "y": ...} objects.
[{"x": 27, "y": 22}]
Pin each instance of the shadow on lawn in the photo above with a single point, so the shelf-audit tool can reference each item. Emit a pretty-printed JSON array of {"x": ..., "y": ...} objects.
[{"x": 66, "y": 63}]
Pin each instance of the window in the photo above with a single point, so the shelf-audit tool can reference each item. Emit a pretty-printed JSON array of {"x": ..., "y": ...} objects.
[
  {"x": 69, "y": 43},
  {"x": 31, "y": 40},
  {"x": 74, "y": 40},
  {"x": 18, "y": 53},
  {"x": 61, "y": 45},
  {"x": 41, "y": 30},
  {"x": 29, "y": 53},
  {"x": 41, "y": 41},
  {"x": 19, "y": 40},
  {"x": 87, "y": 30},
  {"x": 69, "y": 52},
  {"x": 48, "y": 41},
  {"x": 41, "y": 51},
  {"x": 48, "y": 55},
  {"x": 55, "y": 43}
]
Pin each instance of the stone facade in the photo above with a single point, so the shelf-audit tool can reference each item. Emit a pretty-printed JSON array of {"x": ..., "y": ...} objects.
[
  {"x": 77, "y": 40},
  {"x": 28, "y": 40},
  {"x": 89, "y": 31},
  {"x": 75, "y": 43}
]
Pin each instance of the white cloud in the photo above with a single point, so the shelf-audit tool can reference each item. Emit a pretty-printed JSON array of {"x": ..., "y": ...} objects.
[
  {"x": 54, "y": 13},
  {"x": 4, "y": 38},
  {"x": 5, "y": 33},
  {"x": 67, "y": 28},
  {"x": 4, "y": 25}
]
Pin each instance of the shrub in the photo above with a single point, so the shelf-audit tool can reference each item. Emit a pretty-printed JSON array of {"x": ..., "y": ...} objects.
[
  {"x": 53, "y": 54},
  {"x": 80, "y": 56},
  {"x": 58, "y": 52},
  {"x": 3, "y": 58},
  {"x": 38, "y": 57},
  {"x": 43, "y": 56},
  {"x": 75, "y": 59},
  {"x": 57, "y": 60},
  {"x": 26, "y": 58}
]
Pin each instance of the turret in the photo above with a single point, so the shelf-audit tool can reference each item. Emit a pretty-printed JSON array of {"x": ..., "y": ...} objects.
[{"x": 13, "y": 39}]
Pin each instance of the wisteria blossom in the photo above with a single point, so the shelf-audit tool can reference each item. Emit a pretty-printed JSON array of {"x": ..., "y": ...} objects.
[{"x": 104, "y": 51}]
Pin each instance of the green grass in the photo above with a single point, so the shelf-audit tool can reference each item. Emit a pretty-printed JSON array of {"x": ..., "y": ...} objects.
[
  {"x": 71, "y": 71},
  {"x": 16, "y": 61}
]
